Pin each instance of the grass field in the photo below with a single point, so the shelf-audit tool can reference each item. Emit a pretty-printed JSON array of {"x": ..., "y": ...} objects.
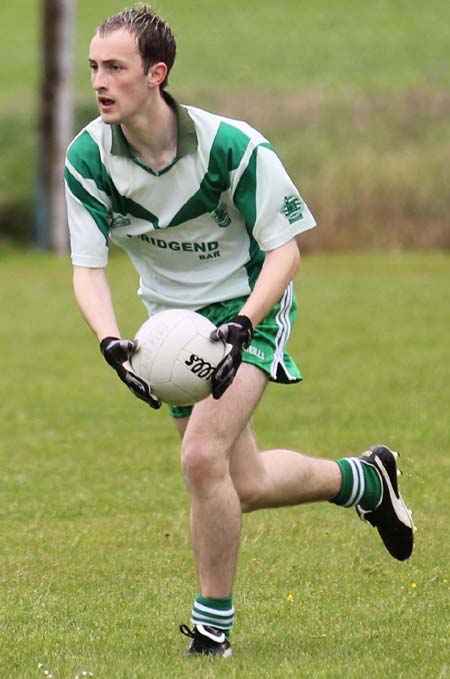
[
  {"x": 353, "y": 94},
  {"x": 96, "y": 571}
]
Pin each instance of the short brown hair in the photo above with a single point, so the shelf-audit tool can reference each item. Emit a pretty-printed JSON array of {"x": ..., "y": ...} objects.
[{"x": 154, "y": 37}]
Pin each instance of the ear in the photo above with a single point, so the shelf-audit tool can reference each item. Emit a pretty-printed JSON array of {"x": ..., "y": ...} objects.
[{"x": 156, "y": 74}]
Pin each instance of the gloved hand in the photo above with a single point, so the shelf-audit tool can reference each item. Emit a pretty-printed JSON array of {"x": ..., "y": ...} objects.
[
  {"x": 117, "y": 353},
  {"x": 238, "y": 332}
]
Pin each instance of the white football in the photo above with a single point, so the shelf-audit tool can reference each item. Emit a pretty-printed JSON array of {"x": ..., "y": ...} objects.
[{"x": 176, "y": 357}]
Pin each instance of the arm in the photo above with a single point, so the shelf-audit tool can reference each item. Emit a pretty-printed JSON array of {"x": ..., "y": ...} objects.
[
  {"x": 94, "y": 300},
  {"x": 89, "y": 221},
  {"x": 273, "y": 209},
  {"x": 279, "y": 268}
]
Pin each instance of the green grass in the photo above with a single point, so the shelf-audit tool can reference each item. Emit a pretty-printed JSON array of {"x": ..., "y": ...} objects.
[{"x": 96, "y": 570}]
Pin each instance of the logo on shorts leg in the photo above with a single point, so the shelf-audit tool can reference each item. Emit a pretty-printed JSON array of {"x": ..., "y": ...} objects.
[
  {"x": 256, "y": 352},
  {"x": 292, "y": 208}
]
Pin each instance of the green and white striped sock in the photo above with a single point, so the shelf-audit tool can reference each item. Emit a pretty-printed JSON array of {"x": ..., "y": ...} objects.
[
  {"x": 361, "y": 484},
  {"x": 218, "y": 613}
]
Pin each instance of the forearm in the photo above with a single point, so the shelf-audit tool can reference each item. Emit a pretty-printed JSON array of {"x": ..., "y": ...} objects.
[
  {"x": 93, "y": 296},
  {"x": 279, "y": 268}
]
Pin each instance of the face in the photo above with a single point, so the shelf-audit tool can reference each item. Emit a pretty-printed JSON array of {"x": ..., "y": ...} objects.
[{"x": 121, "y": 86}]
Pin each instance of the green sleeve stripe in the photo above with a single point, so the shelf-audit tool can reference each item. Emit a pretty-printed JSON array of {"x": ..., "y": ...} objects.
[
  {"x": 266, "y": 145},
  {"x": 95, "y": 208},
  {"x": 84, "y": 155},
  {"x": 89, "y": 184},
  {"x": 226, "y": 153},
  {"x": 245, "y": 201},
  {"x": 245, "y": 193}
]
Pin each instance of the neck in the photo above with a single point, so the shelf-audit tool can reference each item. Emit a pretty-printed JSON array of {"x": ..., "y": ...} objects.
[{"x": 152, "y": 133}]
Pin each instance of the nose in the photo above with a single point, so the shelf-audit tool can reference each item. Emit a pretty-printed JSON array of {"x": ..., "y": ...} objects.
[{"x": 98, "y": 80}]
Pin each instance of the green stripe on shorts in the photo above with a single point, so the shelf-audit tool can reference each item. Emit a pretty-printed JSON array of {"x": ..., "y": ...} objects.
[{"x": 268, "y": 347}]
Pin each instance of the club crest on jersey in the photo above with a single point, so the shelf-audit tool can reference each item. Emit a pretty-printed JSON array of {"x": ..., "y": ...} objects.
[
  {"x": 118, "y": 220},
  {"x": 221, "y": 215},
  {"x": 292, "y": 208}
]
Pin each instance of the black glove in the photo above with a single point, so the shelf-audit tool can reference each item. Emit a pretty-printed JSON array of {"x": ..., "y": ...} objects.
[
  {"x": 238, "y": 332},
  {"x": 117, "y": 352}
]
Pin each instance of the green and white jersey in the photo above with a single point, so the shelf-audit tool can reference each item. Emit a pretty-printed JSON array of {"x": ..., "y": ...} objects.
[{"x": 196, "y": 231}]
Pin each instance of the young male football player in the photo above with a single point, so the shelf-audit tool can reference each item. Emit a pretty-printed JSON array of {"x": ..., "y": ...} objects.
[{"x": 209, "y": 218}]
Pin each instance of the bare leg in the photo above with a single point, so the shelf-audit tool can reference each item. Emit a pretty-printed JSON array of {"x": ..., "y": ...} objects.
[
  {"x": 208, "y": 440},
  {"x": 279, "y": 477},
  {"x": 225, "y": 475}
]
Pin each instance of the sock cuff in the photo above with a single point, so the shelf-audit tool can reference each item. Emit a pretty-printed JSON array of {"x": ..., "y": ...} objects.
[
  {"x": 361, "y": 484},
  {"x": 217, "y": 613},
  {"x": 353, "y": 482},
  {"x": 220, "y": 604}
]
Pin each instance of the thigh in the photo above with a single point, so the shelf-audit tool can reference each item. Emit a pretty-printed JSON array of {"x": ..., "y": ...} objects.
[
  {"x": 219, "y": 419},
  {"x": 221, "y": 422}
]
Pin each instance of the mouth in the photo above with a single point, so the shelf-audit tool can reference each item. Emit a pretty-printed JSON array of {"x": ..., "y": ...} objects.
[{"x": 105, "y": 103}]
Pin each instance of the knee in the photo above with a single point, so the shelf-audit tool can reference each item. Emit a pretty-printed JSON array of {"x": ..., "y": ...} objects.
[{"x": 202, "y": 466}]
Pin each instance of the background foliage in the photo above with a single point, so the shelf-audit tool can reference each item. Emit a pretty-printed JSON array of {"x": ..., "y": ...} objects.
[{"x": 354, "y": 95}]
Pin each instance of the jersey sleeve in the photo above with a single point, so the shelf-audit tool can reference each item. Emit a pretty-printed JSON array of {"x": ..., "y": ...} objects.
[
  {"x": 88, "y": 205},
  {"x": 269, "y": 201}
]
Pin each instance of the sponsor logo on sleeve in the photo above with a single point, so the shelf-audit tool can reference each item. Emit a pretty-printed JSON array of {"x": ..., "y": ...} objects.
[{"x": 292, "y": 208}]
